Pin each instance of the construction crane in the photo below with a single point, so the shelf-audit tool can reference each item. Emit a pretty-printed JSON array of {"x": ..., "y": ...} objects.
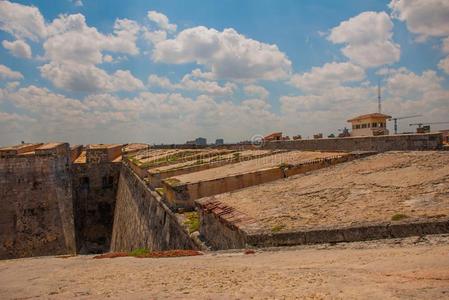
[
  {"x": 400, "y": 118},
  {"x": 425, "y": 127}
]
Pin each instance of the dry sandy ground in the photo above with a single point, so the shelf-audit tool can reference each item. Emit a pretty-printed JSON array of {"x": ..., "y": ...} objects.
[
  {"x": 368, "y": 190},
  {"x": 416, "y": 267}
]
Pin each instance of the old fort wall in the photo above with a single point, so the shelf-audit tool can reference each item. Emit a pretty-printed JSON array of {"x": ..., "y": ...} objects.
[
  {"x": 36, "y": 214},
  {"x": 405, "y": 142},
  {"x": 142, "y": 220}
]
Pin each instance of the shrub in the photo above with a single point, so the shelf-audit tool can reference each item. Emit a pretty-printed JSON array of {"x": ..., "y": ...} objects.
[
  {"x": 398, "y": 217},
  {"x": 278, "y": 228},
  {"x": 139, "y": 252},
  {"x": 192, "y": 221}
]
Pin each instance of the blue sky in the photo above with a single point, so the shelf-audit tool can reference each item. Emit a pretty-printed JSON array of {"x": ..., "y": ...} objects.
[{"x": 168, "y": 71}]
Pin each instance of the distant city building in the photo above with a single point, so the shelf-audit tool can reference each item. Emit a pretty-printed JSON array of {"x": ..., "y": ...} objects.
[
  {"x": 219, "y": 142},
  {"x": 200, "y": 141},
  {"x": 275, "y": 136},
  {"x": 369, "y": 125}
]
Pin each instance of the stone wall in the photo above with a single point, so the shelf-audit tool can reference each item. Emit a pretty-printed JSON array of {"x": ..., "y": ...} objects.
[
  {"x": 36, "y": 212},
  {"x": 179, "y": 195},
  {"x": 94, "y": 197},
  {"x": 142, "y": 221},
  {"x": 224, "y": 227},
  {"x": 428, "y": 141}
]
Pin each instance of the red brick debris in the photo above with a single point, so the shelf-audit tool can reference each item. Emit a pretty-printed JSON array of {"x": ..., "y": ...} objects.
[{"x": 154, "y": 254}]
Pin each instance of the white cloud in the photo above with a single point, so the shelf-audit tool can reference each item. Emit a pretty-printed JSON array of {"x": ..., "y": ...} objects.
[
  {"x": 256, "y": 90},
  {"x": 227, "y": 54},
  {"x": 154, "y": 37},
  {"x": 161, "y": 20},
  {"x": 368, "y": 39},
  {"x": 7, "y": 73},
  {"x": 407, "y": 85},
  {"x": 404, "y": 93},
  {"x": 22, "y": 21},
  {"x": 74, "y": 49},
  {"x": 444, "y": 64},
  {"x": 88, "y": 78},
  {"x": 71, "y": 40},
  {"x": 445, "y": 45},
  {"x": 423, "y": 17},
  {"x": 78, "y": 3},
  {"x": 13, "y": 117},
  {"x": 108, "y": 58},
  {"x": 189, "y": 84},
  {"x": 18, "y": 48},
  {"x": 165, "y": 117},
  {"x": 319, "y": 79},
  {"x": 12, "y": 85}
]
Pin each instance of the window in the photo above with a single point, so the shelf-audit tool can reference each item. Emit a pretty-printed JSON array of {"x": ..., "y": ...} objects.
[
  {"x": 369, "y": 125},
  {"x": 363, "y": 125},
  {"x": 357, "y": 126},
  {"x": 374, "y": 125}
]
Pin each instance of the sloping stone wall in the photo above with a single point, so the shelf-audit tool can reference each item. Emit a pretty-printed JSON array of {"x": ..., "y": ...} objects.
[{"x": 141, "y": 220}]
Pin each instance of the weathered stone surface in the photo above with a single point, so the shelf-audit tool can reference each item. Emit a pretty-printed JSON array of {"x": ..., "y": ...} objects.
[
  {"x": 36, "y": 213},
  {"x": 389, "y": 195},
  {"x": 94, "y": 197},
  {"x": 142, "y": 221},
  {"x": 428, "y": 141}
]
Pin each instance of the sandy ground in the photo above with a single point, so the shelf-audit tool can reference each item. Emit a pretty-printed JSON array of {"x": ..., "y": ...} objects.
[
  {"x": 416, "y": 267},
  {"x": 292, "y": 157},
  {"x": 373, "y": 189}
]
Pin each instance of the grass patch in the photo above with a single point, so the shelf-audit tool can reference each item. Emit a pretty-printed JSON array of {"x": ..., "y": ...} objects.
[
  {"x": 139, "y": 252},
  {"x": 172, "y": 181},
  {"x": 192, "y": 221},
  {"x": 277, "y": 228},
  {"x": 160, "y": 191},
  {"x": 398, "y": 217}
]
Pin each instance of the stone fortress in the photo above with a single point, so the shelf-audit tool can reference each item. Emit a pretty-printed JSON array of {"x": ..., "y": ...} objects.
[{"x": 61, "y": 199}]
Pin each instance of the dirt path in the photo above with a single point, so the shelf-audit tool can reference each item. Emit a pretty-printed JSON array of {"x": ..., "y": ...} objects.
[{"x": 408, "y": 268}]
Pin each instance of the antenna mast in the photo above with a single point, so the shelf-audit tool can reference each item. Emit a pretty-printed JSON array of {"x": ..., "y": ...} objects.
[{"x": 379, "y": 105}]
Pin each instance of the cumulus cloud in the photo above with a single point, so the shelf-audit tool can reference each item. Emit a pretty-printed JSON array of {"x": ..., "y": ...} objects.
[
  {"x": 319, "y": 79},
  {"x": 368, "y": 39},
  {"x": 423, "y": 17},
  {"x": 161, "y": 21},
  {"x": 404, "y": 93},
  {"x": 78, "y": 3},
  {"x": 154, "y": 37},
  {"x": 13, "y": 117},
  {"x": 74, "y": 49},
  {"x": 256, "y": 90},
  {"x": 226, "y": 54},
  {"x": 188, "y": 83},
  {"x": 444, "y": 64},
  {"x": 18, "y": 48},
  {"x": 405, "y": 84},
  {"x": 165, "y": 117},
  {"x": 23, "y": 22},
  {"x": 88, "y": 78},
  {"x": 7, "y": 73}
]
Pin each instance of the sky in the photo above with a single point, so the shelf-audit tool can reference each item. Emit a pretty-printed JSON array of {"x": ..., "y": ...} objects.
[{"x": 85, "y": 71}]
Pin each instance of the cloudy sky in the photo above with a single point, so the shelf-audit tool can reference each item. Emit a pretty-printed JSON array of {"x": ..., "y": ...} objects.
[{"x": 166, "y": 71}]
